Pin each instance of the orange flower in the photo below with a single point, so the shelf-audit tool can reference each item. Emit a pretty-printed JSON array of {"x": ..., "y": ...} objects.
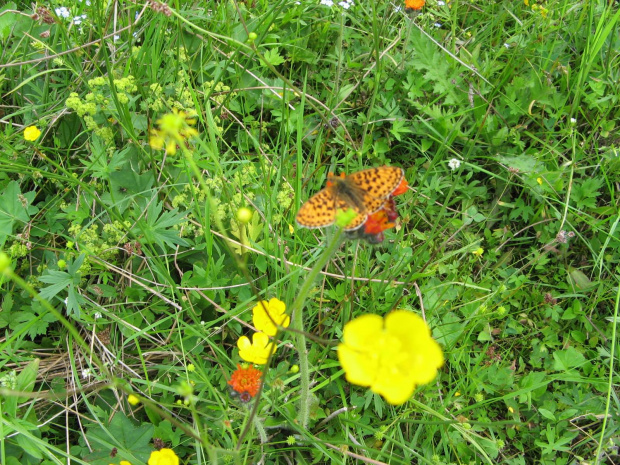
[
  {"x": 377, "y": 222},
  {"x": 414, "y": 4},
  {"x": 246, "y": 380},
  {"x": 403, "y": 186}
]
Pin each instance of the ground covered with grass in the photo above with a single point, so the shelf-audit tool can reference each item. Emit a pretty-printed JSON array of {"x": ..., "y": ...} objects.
[{"x": 453, "y": 301}]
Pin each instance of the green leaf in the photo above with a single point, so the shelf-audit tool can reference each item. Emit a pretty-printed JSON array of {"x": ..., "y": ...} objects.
[
  {"x": 547, "y": 414},
  {"x": 273, "y": 57},
  {"x": 567, "y": 359},
  {"x": 132, "y": 442},
  {"x": 29, "y": 446},
  {"x": 168, "y": 434},
  {"x": 61, "y": 280},
  {"x": 586, "y": 193},
  {"x": 27, "y": 377},
  {"x": 15, "y": 209},
  {"x": 100, "y": 164},
  {"x": 400, "y": 127},
  {"x": 7, "y": 20},
  {"x": 157, "y": 226},
  {"x": 578, "y": 279},
  {"x": 523, "y": 163}
]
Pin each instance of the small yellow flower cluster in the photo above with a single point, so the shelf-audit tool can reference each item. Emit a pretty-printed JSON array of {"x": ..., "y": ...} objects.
[
  {"x": 267, "y": 316},
  {"x": 220, "y": 92},
  {"x": 116, "y": 231},
  {"x": 18, "y": 250},
  {"x": 91, "y": 241},
  {"x": 391, "y": 355},
  {"x": 98, "y": 100},
  {"x": 173, "y": 129},
  {"x": 544, "y": 12},
  {"x": 178, "y": 94},
  {"x": 241, "y": 178}
]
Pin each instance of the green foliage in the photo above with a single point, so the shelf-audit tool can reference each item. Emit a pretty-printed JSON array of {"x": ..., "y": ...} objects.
[{"x": 130, "y": 264}]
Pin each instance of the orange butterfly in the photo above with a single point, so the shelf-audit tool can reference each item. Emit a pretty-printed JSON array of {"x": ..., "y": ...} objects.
[{"x": 365, "y": 192}]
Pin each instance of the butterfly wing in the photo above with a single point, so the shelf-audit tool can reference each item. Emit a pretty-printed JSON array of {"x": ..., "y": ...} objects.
[
  {"x": 318, "y": 211},
  {"x": 378, "y": 183}
]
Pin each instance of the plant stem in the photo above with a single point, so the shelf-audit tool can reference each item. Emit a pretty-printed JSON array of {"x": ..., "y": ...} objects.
[{"x": 298, "y": 324}]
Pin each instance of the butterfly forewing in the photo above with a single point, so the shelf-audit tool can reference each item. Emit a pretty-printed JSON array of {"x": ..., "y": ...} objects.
[
  {"x": 318, "y": 211},
  {"x": 378, "y": 182},
  {"x": 371, "y": 203}
]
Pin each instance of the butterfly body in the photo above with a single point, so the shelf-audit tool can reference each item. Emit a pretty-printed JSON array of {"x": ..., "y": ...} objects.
[{"x": 365, "y": 192}]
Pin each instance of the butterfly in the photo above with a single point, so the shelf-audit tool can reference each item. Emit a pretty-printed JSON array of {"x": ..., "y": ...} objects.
[{"x": 365, "y": 192}]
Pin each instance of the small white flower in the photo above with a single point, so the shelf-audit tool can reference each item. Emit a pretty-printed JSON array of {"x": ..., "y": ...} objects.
[
  {"x": 87, "y": 373},
  {"x": 78, "y": 19},
  {"x": 87, "y": 2},
  {"x": 345, "y": 5},
  {"x": 117, "y": 38},
  {"x": 440, "y": 3},
  {"x": 398, "y": 8},
  {"x": 573, "y": 121},
  {"x": 63, "y": 12},
  {"x": 437, "y": 25},
  {"x": 454, "y": 164},
  {"x": 507, "y": 45},
  {"x": 66, "y": 301},
  {"x": 97, "y": 315},
  {"x": 327, "y": 2}
]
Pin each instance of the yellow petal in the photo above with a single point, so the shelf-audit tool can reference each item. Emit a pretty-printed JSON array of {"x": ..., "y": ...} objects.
[{"x": 359, "y": 368}]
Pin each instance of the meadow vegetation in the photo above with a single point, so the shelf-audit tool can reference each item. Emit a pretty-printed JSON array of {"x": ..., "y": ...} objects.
[{"x": 160, "y": 304}]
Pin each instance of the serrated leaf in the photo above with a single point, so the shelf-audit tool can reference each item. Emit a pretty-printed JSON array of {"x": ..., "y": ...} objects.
[
  {"x": 157, "y": 226},
  {"x": 100, "y": 164},
  {"x": 273, "y": 57}
]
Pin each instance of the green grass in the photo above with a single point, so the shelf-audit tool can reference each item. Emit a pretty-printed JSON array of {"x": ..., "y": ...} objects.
[{"x": 131, "y": 273}]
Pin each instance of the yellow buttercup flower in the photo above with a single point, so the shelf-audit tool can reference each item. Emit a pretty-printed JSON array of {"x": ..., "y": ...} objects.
[
  {"x": 390, "y": 355},
  {"x": 268, "y": 315},
  {"x": 257, "y": 351},
  {"x": 31, "y": 133},
  {"x": 133, "y": 400},
  {"x": 163, "y": 457}
]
